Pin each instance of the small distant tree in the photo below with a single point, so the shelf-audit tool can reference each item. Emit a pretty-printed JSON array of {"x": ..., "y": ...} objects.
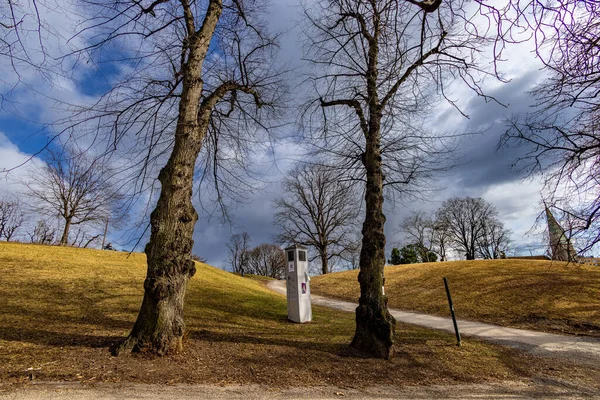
[
  {"x": 467, "y": 220},
  {"x": 239, "y": 249},
  {"x": 83, "y": 239},
  {"x": 441, "y": 237},
  {"x": 317, "y": 210},
  {"x": 11, "y": 218},
  {"x": 409, "y": 254},
  {"x": 494, "y": 240},
  {"x": 74, "y": 187},
  {"x": 424, "y": 254},
  {"x": 42, "y": 233},
  {"x": 419, "y": 228},
  {"x": 395, "y": 259},
  {"x": 267, "y": 260},
  {"x": 430, "y": 235},
  {"x": 352, "y": 254}
]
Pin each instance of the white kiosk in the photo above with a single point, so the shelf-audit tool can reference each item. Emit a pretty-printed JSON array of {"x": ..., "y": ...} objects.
[{"x": 298, "y": 285}]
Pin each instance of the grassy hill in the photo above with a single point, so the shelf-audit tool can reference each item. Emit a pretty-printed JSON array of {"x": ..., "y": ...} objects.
[
  {"x": 542, "y": 295},
  {"x": 62, "y": 308}
]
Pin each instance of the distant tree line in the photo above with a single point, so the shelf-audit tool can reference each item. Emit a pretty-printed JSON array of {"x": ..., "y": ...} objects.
[
  {"x": 411, "y": 254},
  {"x": 469, "y": 226},
  {"x": 265, "y": 259},
  {"x": 318, "y": 210},
  {"x": 11, "y": 218},
  {"x": 71, "y": 187}
]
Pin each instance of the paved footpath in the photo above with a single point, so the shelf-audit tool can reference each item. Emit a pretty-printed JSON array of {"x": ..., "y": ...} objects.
[
  {"x": 579, "y": 349},
  {"x": 136, "y": 391}
]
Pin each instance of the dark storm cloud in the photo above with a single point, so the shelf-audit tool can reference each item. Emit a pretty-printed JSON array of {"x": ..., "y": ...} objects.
[
  {"x": 255, "y": 217},
  {"x": 483, "y": 167},
  {"x": 486, "y": 164},
  {"x": 483, "y": 170}
]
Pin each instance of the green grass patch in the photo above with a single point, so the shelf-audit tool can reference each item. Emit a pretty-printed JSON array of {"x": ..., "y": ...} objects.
[
  {"x": 543, "y": 295},
  {"x": 62, "y": 308}
]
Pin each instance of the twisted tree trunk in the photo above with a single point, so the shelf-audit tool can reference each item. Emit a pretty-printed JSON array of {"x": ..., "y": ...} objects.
[
  {"x": 375, "y": 326},
  {"x": 160, "y": 327}
]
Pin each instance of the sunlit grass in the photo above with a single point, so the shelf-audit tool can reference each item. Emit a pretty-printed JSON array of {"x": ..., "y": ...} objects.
[
  {"x": 543, "y": 295},
  {"x": 62, "y": 308}
]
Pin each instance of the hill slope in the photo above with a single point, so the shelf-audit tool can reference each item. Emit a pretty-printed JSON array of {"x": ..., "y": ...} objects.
[
  {"x": 61, "y": 309},
  {"x": 542, "y": 295}
]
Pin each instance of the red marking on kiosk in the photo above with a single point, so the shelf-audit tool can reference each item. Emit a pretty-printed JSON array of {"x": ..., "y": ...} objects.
[{"x": 303, "y": 287}]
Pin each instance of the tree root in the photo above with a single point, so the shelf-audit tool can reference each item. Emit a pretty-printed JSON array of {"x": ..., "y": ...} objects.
[{"x": 126, "y": 346}]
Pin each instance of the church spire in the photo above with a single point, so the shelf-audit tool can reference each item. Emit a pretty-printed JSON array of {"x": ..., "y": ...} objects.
[{"x": 560, "y": 245}]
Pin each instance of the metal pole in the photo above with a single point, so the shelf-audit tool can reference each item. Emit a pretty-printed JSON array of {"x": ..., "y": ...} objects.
[
  {"x": 104, "y": 236},
  {"x": 452, "y": 311}
]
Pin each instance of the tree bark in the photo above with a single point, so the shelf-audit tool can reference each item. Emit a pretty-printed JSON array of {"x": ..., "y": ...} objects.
[
  {"x": 160, "y": 327},
  {"x": 375, "y": 326},
  {"x": 64, "y": 239},
  {"x": 324, "y": 261}
]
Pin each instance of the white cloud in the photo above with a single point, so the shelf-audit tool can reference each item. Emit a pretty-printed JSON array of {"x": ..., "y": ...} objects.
[
  {"x": 518, "y": 203},
  {"x": 14, "y": 167}
]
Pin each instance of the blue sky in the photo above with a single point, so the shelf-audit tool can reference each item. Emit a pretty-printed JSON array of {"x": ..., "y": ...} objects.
[{"x": 487, "y": 173}]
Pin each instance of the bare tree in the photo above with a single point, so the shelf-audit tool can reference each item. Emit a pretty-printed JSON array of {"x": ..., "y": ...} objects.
[
  {"x": 377, "y": 63},
  {"x": 199, "y": 92},
  {"x": 433, "y": 236},
  {"x": 239, "y": 249},
  {"x": 562, "y": 132},
  {"x": 83, "y": 239},
  {"x": 198, "y": 258},
  {"x": 42, "y": 233},
  {"x": 318, "y": 210},
  {"x": 197, "y": 88},
  {"x": 471, "y": 224},
  {"x": 494, "y": 241},
  {"x": 352, "y": 254},
  {"x": 441, "y": 237},
  {"x": 11, "y": 218},
  {"x": 22, "y": 35},
  {"x": 421, "y": 231},
  {"x": 74, "y": 187},
  {"x": 267, "y": 260}
]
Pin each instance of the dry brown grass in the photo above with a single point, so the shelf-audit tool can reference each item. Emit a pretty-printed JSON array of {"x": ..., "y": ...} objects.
[
  {"x": 542, "y": 295},
  {"x": 62, "y": 308}
]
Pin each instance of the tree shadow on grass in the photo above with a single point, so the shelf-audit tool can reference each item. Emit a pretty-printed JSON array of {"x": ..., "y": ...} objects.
[
  {"x": 45, "y": 303},
  {"x": 268, "y": 340},
  {"x": 57, "y": 339}
]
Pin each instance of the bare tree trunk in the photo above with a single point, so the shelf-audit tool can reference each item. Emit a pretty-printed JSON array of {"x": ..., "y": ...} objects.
[
  {"x": 324, "y": 260},
  {"x": 375, "y": 326},
  {"x": 470, "y": 255},
  {"x": 160, "y": 326},
  {"x": 64, "y": 240},
  {"x": 442, "y": 251}
]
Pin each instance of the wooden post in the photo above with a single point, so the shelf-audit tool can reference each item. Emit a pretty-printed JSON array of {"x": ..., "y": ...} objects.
[{"x": 452, "y": 311}]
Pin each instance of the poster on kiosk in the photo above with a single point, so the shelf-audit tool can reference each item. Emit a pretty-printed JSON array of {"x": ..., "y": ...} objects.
[{"x": 298, "y": 285}]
